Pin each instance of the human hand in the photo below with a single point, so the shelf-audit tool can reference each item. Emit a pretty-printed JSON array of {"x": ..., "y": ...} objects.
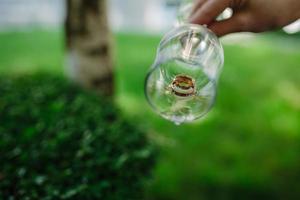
[{"x": 248, "y": 15}]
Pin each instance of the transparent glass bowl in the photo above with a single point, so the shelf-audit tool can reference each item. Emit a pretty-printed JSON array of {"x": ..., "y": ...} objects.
[{"x": 181, "y": 85}]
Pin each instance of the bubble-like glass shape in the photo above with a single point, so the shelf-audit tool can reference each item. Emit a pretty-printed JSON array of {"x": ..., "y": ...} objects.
[{"x": 181, "y": 85}]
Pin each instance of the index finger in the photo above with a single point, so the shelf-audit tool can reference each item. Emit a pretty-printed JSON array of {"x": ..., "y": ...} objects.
[
  {"x": 197, "y": 5},
  {"x": 209, "y": 11}
]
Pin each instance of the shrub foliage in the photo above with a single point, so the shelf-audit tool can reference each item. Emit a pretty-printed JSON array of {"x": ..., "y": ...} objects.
[{"x": 60, "y": 142}]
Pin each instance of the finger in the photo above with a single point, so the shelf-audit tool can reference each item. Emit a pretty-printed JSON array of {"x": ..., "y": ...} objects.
[
  {"x": 207, "y": 13},
  {"x": 197, "y": 5},
  {"x": 237, "y": 23}
]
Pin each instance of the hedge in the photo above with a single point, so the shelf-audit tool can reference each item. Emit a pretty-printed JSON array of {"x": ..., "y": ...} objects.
[{"x": 58, "y": 141}]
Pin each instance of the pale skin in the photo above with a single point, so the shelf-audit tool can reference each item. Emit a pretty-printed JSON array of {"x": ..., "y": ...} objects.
[{"x": 248, "y": 15}]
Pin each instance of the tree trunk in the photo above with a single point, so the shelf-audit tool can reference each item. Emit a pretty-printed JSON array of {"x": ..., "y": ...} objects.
[{"x": 89, "y": 44}]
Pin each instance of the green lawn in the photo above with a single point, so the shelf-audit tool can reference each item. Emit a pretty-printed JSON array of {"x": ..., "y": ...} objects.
[{"x": 248, "y": 147}]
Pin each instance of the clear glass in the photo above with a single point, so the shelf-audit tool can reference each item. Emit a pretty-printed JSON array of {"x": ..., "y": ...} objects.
[{"x": 181, "y": 85}]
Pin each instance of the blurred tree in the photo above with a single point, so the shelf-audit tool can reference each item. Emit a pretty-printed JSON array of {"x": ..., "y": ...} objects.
[{"x": 89, "y": 44}]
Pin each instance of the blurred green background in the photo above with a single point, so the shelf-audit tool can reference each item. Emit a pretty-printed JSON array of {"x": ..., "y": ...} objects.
[{"x": 248, "y": 147}]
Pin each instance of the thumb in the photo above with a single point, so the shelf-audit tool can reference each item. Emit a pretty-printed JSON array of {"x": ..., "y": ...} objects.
[{"x": 237, "y": 23}]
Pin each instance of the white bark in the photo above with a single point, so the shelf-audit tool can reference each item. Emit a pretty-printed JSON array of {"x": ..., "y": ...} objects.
[{"x": 89, "y": 44}]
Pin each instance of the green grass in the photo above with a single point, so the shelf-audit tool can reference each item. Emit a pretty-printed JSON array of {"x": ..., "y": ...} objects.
[
  {"x": 247, "y": 147},
  {"x": 31, "y": 51}
]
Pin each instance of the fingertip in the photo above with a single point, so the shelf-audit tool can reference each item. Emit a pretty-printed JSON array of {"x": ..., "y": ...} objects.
[
  {"x": 192, "y": 19},
  {"x": 227, "y": 26},
  {"x": 198, "y": 19},
  {"x": 216, "y": 30}
]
